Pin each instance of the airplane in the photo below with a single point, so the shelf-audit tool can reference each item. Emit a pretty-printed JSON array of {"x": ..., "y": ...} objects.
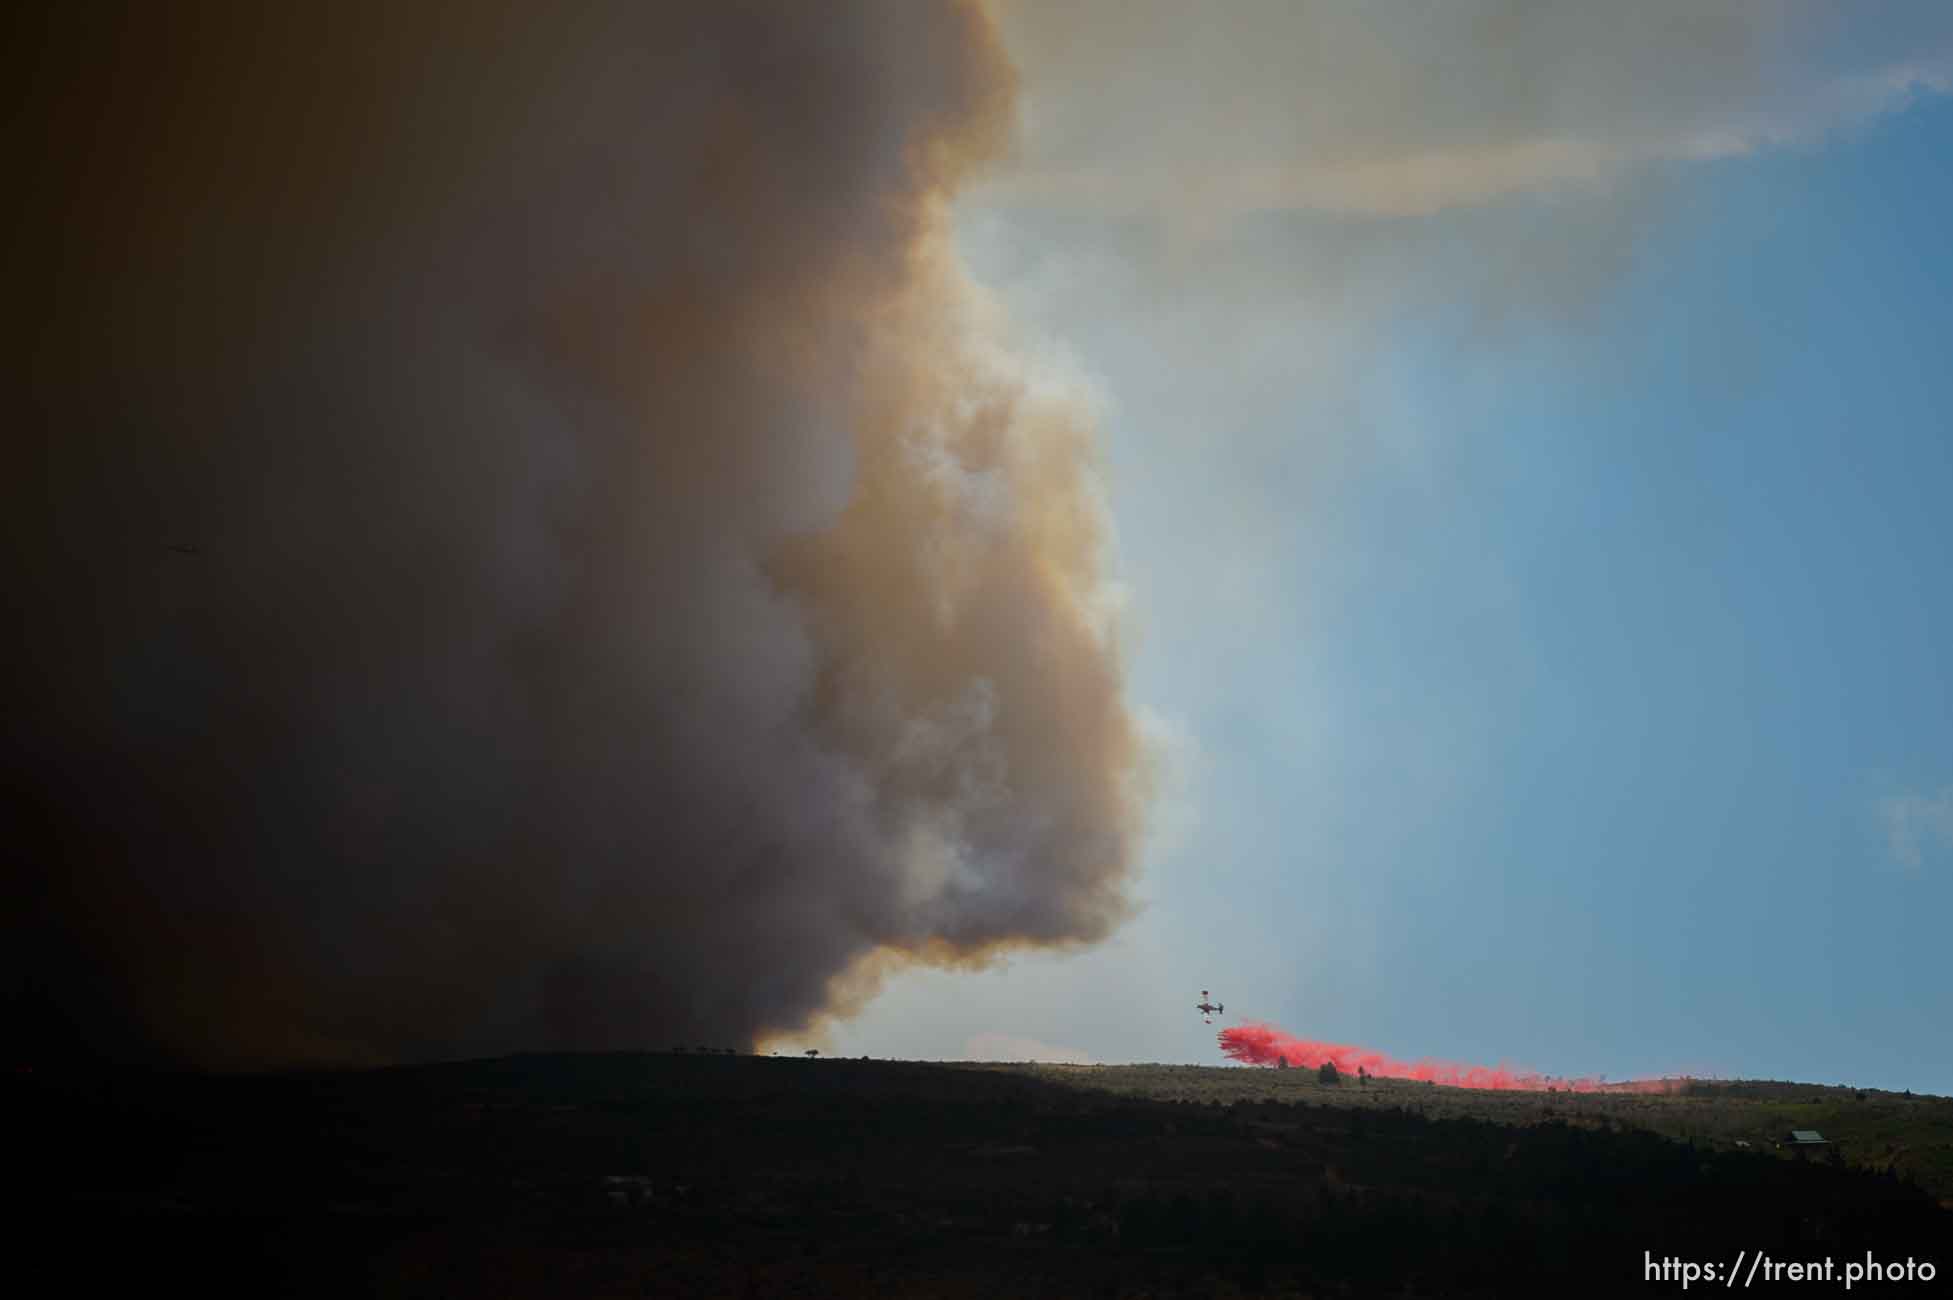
[{"x": 1208, "y": 1010}]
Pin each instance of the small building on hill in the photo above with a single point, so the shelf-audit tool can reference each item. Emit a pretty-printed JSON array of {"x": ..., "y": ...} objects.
[{"x": 1804, "y": 1141}]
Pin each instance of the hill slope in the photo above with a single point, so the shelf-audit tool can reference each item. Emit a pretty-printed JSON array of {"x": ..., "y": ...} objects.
[
  {"x": 671, "y": 1174},
  {"x": 1905, "y": 1134}
]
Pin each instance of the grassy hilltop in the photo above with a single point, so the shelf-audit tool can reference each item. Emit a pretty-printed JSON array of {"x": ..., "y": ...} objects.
[
  {"x": 1904, "y": 1134},
  {"x": 667, "y": 1174}
]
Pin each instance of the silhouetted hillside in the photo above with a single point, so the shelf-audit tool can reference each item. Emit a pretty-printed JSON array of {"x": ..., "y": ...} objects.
[{"x": 691, "y": 1174}]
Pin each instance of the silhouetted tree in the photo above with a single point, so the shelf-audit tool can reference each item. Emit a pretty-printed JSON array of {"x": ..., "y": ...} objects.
[
  {"x": 813, "y": 1051},
  {"x": 1328, "y": 1074}
]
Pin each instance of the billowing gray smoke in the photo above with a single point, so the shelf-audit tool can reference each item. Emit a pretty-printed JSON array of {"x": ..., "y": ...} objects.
[{"x": 523, "y": 537}]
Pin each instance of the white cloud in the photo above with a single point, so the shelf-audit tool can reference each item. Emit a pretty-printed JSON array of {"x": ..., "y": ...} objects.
[{"x": 1913, "y": 822}]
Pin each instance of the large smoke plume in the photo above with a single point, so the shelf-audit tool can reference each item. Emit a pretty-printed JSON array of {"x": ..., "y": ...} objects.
[{"x": 524, "y": 536}]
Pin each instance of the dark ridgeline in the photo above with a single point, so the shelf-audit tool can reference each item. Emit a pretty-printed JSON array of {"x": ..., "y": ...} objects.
[{"x": 709, "y": 1174}]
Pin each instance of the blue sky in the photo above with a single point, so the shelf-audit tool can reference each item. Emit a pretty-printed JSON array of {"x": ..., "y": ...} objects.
[{"x": 1540, "y": 587}]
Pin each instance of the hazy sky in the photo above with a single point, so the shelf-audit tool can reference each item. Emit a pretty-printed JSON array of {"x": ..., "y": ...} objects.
[{"x": 1530, "y": 445}]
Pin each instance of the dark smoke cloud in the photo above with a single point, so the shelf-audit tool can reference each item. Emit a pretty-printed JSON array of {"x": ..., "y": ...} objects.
[{"x": 521, "y": 536}]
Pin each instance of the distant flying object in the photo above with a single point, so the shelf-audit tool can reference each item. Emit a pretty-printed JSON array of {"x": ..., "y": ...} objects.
[{"x": 1208, "y": 1010}]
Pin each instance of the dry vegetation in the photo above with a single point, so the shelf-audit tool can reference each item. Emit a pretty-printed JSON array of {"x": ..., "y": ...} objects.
[{"x": 1906, "y": 1134}]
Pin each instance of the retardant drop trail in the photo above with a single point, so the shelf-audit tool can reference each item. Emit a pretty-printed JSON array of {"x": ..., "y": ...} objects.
[{"x": 1255, "y": 1043}]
